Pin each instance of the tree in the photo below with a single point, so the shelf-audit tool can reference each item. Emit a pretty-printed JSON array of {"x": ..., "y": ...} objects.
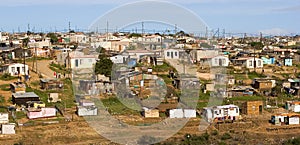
[
  {"x": 102, "y": 53},
  {"x": 103, "y": 65},
  {"x": 53, "y": 38},
  {"x": 134, "y": 35},
  {"x": 25, "y": 42},
  {"x": 256, "y": 44}
]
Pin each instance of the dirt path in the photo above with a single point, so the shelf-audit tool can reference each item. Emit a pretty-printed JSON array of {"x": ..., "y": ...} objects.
[
  {"x": 43, "y": 68},
  {"x": 181, "y": 68}
]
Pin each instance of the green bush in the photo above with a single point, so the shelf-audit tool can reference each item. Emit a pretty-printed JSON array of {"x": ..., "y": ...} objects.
[
  {"x": 214, "y": 132},
  {"x": 2, "y": 99},
  {"x": 226, "y": 136},
  {"x": 295, "y": 141},
  {"x": 222, "y": 143}
]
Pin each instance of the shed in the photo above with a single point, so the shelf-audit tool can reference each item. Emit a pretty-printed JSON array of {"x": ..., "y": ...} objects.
[
  {"x": 264, "y": 83},
  {"x": 221, "y": 113},
  {"x": 15, "y": 69},
  {"x": 51, "y": 84},
  {"x": 241, "y": 91},
  {"x": 252, "y": 108},
  {"x": 176, "y": 113},
  {"x": 150, "y": 113},
  {"x": 288, "y": 61},
  {"x": 86, "y": 103},
  {"x": 186, "y": 81},
  {"x": 33, "y": 113},
  {"x": 285, "y": 119},
  {"x": 189, "y": 113},
  {"x": 293, "y": 106},
  {"x": 8, "y": 128},
  {"x": 23, "y": 98},
  {"x": 87, "y": 110},
  {"x": 220, "y": 61}
]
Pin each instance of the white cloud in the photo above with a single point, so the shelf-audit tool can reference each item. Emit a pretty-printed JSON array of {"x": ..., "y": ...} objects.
[{"x": 275, "y": 31}]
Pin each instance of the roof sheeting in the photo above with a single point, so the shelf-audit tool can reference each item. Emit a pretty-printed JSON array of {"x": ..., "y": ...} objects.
[{"x": 25, "y": 95}]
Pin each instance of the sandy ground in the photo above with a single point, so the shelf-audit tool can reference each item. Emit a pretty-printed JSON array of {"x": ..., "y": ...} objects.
[{"x": 43, "y": 68}]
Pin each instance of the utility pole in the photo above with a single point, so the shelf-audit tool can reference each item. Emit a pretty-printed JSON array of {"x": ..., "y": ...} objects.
[
  {"x": 142, "y": 28},
  {"x": 218, "y": 33},
  {"x": 106, "y": 31},
  {"x": 69, "y": 32},
  {"x": 28, "y": 27},
  {"x": 206, "y": 33},
  {"x": 161, "y": 45},
  {"x": 69, "y": 59},
  {"x": 35, "y": 59},
  {"x": 24, "y": 60}
]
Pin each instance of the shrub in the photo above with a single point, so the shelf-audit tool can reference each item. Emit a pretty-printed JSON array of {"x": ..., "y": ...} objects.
[
  {"x": 226, "y": 136},
  {"x": 214, "y": 132}
]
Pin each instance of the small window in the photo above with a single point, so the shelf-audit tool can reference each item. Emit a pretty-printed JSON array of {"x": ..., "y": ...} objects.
[
  {"x": 175, "y": 53},
  {"x": 76, "y": 62},
  {"x": 250, "y": 63},
  {"x": 259, "y": 63},
  {"x": 168, "y": 53}
]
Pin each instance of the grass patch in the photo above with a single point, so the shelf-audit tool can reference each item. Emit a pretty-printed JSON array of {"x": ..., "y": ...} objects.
[
  {"x": 3, "y": 109},
  {"x": 5, "y": 87},
  {"x": 66, "y": 95},
  {"x": 201, "y": 105},
  {"x": 38, "y": 58},
  {"x": 59, "y": 68},
  {"x": 253, "y": 75},
  {"x": 35, "y": 83},
  {"x": 20, "y": 114},
  {"x": 2, "y": 99},
  {"x": 116, "y": 107},
  {"x": 247, "y": 98},
  {"x": 165, "y": 67},
  {"x": 7, "y": 77},
  {"x": 240, "y": 76},
  {"x": 204, "y": 96},
  {"x": 166, "y": 79}
]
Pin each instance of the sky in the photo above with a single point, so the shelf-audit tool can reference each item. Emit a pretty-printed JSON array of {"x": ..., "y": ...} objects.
[{"x": 237, "y": 16}]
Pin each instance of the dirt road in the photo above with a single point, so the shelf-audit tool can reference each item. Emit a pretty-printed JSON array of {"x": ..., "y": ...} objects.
[
  {"x": 43, "y": 68},
  {"x": 183, "y": 67}
]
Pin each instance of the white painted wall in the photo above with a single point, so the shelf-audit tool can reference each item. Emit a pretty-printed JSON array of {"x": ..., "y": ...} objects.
[
  {"x": 220, "y": 61},
  {"x": 13, "y": 69},
  {"x": 250, "y": 63},
  {"x": 171, "y": 54}
]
